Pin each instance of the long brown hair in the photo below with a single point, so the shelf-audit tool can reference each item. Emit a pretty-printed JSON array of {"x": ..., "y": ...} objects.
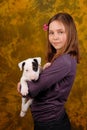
[{"x": 71, "y": 46}]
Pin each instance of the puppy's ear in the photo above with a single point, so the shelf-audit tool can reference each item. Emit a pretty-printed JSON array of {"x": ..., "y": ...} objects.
[
  {"x": 21, "y": 65},
  {"x": 35, "y": 64},
  {"x": 39, "y": 60}
]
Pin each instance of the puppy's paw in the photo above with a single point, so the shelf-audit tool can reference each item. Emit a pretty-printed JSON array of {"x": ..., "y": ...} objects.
[
  {"x": 24, "y": 91},
  {"x": 22, "y": 114}
]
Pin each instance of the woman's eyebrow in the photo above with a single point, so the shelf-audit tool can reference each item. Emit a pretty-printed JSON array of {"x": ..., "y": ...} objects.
[{"x": 59, "y": 29}]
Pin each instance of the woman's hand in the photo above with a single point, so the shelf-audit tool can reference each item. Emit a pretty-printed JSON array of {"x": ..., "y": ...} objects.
[
  {"x": 46, "y": 65},
  {"x": 19, "y": 87}
]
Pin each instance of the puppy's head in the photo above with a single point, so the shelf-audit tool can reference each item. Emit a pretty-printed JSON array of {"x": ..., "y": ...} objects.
[
  {"x": 31, "y": 68},
  {"x": 36, "y": 62}
]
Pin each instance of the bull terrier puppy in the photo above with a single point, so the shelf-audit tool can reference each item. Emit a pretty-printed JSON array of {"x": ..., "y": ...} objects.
[{"x": 31, "y": 69}]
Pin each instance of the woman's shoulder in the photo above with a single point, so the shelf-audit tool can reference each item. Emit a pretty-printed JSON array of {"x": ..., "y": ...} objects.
[{"x": 66, "y": 60}]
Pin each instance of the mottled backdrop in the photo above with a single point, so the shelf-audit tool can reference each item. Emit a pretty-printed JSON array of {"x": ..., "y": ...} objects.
[{"x": 21, "y": 37}]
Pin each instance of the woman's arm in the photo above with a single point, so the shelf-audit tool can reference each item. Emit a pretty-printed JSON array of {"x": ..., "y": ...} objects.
[{"x": 53, "y": 74}]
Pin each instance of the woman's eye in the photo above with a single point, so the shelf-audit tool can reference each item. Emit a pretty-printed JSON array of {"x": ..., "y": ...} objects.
[
  {"x": 51, "y": 33},
  {"x": 60, "y": 32}
]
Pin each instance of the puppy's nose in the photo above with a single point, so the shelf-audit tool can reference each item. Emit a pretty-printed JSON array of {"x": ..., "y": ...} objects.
[{"x": 33, "y": 80}]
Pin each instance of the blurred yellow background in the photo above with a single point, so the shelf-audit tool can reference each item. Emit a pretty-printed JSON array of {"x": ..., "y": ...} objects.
[{"x": 21, "y": 37}]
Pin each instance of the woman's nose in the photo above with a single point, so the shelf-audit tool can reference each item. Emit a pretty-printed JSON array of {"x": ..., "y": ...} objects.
[{"x": 56, "y": 36}]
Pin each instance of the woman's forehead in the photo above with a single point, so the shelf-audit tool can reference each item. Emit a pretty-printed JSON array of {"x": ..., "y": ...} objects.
[{"x": 56, "y": 25}]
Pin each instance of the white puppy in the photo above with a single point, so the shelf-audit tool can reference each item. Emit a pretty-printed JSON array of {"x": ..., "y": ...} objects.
[{"x": 31, "y": 70}]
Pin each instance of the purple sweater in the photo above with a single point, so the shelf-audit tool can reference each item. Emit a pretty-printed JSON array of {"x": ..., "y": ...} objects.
[{"x": 51, "y": 91}]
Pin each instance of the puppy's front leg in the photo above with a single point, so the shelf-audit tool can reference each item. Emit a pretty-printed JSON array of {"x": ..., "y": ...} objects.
[{"x": 24, "y": 87}]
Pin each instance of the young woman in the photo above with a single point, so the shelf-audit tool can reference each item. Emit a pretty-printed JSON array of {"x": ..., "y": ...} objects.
[{"x": 51, "y": 91}]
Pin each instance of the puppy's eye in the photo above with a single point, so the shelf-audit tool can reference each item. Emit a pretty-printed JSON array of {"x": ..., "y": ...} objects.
[
  {"x": 26, "y": 70},
  {"x": 35, "y": 65}
]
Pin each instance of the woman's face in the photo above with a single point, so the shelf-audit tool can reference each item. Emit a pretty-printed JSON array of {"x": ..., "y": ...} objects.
[{"x": 57, "y": 34}]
